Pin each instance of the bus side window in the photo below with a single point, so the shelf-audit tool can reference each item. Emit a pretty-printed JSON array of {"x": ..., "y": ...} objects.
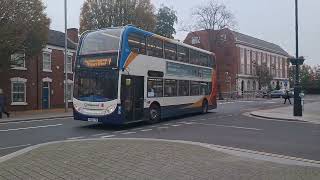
[
  {"x": 183, "y": 88},
  {"x": 155, "y": 87},
  {"x": 194, "y": 57},
  {"x": 170, "y": 88},
  {"x": 195, "y": 88},
  {"x": 137, "y": 43},
  {"x": 170, "y": 51},
  {"x": 183, "y": 54},
  {"x": 155, "y": 47},
  {"x": 204, "y": 59}
]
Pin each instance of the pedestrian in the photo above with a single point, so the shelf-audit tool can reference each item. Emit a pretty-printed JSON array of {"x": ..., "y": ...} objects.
[
  {"x": 3, "y": 104},
  {"x": 287, "y": 96}
]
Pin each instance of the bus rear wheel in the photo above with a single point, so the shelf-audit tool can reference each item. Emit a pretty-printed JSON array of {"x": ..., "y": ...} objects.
[
  {"x": 205, "y": 107},
  {"x": 154, "y": 114}
]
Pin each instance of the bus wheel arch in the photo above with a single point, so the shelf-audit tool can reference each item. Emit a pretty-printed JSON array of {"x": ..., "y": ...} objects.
[
  {"x": 205, "y": 106},
  {"x": 154, "y": 112}
]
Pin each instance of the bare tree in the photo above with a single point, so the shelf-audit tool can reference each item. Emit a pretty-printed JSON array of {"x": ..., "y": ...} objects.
[
  {"x": 264, "y": 76},
  {"x": 213, "y": 16}
]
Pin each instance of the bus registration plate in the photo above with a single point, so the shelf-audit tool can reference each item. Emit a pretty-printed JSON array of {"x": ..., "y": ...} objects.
[{"x": 93, "y": 120}]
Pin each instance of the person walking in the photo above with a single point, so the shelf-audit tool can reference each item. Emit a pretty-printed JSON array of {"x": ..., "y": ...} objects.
[
  {"x": 287, "y": 96},
  {"x": 3, "y": 104}
]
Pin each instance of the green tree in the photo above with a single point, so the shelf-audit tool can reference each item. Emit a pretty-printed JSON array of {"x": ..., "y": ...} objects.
[
  {"x": 97, "y": 14},
  {"x": 166, "y": 19},
  {"x": 24, "y": 27}
]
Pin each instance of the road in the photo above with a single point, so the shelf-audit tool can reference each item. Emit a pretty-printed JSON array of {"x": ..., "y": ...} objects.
[{"x": 226, "y": 126}]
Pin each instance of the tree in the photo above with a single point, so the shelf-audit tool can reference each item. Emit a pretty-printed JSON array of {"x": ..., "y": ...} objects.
[
  {"x": 166, "y": 18},
  {"x": 213, "y": 17},
  {"x": 264, "y": 76},
  {"x": 24, "y": 27},
  {"x": 97, "y": 14}
]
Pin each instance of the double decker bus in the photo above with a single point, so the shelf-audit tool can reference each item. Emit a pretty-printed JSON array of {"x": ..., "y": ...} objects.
[{"x": 125, "y": 74}]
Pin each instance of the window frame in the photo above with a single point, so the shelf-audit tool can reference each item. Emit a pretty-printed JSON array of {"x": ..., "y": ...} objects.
[
  {"x": 187, "y": 56},
  {"x": 148, "y": 87},
  {"x": 14, "y": 66},
  {"x": 22, "y": 81},
  {"x": 154, "y": 44},
  {"x": 175, "y": 94},
  {"x": 43, "y": 62},
  {"x": 188, "y": 88},
  {"x": 168, "y": 46},
  {"x": 142, "y": 39}
]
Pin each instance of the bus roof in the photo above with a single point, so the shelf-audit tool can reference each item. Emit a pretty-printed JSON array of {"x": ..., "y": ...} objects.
[{"x": 131, "y": 28}]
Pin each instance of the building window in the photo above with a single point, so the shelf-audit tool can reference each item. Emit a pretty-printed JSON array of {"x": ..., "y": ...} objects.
[
  {"x": 46, "y": 61},
  {"x": 242, "y": 61},
  {"x": 17, "y": 60},
  {"x": 70, "y": 91},
  {"x": 248, "y": 62},
  {"x": 170, "y": 88},
  {"x": 69, "y": 64},
  {"x": 18, "y": 91},
  {"x": 183, "y": 88},
  {"x": 155, "y": 87}
]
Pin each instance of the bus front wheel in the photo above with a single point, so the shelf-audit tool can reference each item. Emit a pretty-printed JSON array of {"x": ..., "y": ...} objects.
[
  {"x": 154, "y": 114},
  {"x": 205, "y": 107}
]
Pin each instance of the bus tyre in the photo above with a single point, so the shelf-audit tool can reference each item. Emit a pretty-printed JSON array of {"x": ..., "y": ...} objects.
[
  {"x": 154, "y": 114},
  {"x": 205, "y": 107}
]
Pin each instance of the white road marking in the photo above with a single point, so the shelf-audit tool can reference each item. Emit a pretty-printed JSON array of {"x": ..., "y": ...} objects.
[
  {"x": 100, "y": 134},
  {"x": 188, "y": 123},
  {"x": 74, "y": 138},
  {"x": 145, "y": 130},
  {"x": 12, "y": 147},
  {"x": 126, "y": 133},
  {"x": 109, "y": 136},
  {"x": 31, "y": 121},
  {"x": 120, "y": 131},
  {"x": 227, "y": 126},
  {"x": 33, "y": 127},
  {"x": 163, "y": 127},
  {"x": 168, "y": 124},
  {"x": 176, "y": 125}
]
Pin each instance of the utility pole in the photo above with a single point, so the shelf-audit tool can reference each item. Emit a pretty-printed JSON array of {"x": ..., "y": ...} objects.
[
  {"x": 65, "y": 56},
  {"x": 297, "y": 109}
]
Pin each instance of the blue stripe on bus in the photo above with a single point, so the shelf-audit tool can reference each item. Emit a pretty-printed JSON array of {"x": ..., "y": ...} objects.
[{"x": 125, "y": 49}]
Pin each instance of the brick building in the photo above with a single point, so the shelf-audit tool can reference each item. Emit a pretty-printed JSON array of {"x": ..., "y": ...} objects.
[
  {"x": 38, "y": 82},
  {"x": 238, "y": 56}
]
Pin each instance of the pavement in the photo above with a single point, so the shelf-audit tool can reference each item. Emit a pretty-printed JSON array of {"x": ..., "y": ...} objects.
[
  {"x": 147, "y": 159},
  {"x": 36, "y": 115},
  {"x": 311, "y": 113}
]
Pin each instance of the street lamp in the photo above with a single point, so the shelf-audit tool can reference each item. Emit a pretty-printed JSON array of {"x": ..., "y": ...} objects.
[
  {"x": 65, "y": 56},
  {"x": 297, "y": 109}
]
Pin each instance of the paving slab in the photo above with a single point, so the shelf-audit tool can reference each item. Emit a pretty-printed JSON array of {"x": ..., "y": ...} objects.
[
  {"x": 143, "y": 159},
  {"x": 311, "y": 113},
  {"x": 36, "y": 115}
]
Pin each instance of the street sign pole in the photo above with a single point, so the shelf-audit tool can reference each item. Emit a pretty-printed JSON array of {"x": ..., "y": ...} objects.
[{"x": 65, "y": 56}]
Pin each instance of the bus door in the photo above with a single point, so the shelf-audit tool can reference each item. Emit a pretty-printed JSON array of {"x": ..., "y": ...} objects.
[{"x": 132, "y": 97}]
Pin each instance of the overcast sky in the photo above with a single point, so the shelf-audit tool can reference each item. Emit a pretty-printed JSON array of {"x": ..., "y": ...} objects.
[{"x": 270, "y": 20}]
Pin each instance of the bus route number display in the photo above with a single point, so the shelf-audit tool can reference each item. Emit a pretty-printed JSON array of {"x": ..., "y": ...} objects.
[{"x": 98, "y": 63}]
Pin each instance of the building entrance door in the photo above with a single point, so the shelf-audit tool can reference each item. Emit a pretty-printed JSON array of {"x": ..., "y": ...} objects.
[{"x": 46, "y": 95}]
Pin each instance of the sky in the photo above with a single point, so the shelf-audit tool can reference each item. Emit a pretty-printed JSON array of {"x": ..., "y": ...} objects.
[{"x": 270, "y": 20}]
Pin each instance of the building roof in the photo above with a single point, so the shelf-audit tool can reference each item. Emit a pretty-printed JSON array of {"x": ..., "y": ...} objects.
[
  {"x": 56, "y": 38},
  {"x": 252, "y": 41}
]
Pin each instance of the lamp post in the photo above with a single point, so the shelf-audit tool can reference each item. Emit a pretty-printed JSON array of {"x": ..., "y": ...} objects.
[
  {"x": 297, "y": 109},
  {"x": 65, "y": 56}
]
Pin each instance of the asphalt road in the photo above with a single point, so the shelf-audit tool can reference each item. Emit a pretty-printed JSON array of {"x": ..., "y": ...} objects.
[{"x": 226, "y": 126}]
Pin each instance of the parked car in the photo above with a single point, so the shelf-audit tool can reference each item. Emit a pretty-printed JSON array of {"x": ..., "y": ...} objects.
[
  {"x": 262, "y": 94},
  {"x": 277, "y": 94}
]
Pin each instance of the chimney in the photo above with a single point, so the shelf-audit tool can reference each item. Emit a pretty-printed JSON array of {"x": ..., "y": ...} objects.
[{"x": 73, "y": 34}]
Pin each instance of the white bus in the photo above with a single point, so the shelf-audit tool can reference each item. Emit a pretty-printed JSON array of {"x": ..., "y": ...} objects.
[{"x": 125, "y": 74}]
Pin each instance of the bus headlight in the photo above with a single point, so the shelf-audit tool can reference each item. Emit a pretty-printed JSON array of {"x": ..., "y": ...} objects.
[
  {"x": 77, "y": 108},
  {"x": 111, "y": 109}
]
